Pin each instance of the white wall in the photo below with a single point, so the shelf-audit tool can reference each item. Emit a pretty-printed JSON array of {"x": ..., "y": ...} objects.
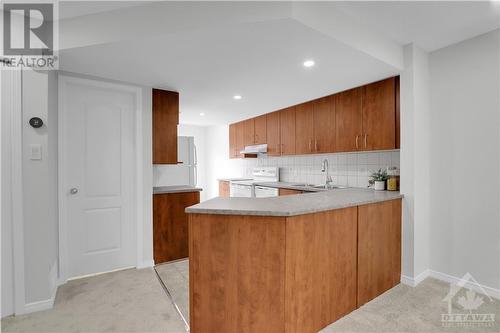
[
  {"x": 7, "y": 291},
  {"x": 415, "y": 161},
  {"x": 40, "y": 186},
  {"x": 465, "y": 180}
]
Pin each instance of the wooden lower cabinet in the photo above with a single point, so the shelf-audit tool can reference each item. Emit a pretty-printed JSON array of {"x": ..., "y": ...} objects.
[
  {"x": 320, "y": 276},
  {"x": 379, "y": 248},
  {"x": 236, "y": 274},
  {"x": 285, "y": 191},
  {"x": 224, "y": 189},
  {"x": 298, "y": 274},
  {"x": 170, "y": 225}
]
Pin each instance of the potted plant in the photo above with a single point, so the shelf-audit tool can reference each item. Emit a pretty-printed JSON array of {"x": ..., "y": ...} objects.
[{"x": 379, "y": 177}]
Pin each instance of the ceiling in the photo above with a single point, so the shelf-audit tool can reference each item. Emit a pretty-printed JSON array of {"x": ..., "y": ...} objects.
[
  {"x": 212, "y": 51},
  {"x": 72, "y": 9},
  {"x": 429, "y": 24}
]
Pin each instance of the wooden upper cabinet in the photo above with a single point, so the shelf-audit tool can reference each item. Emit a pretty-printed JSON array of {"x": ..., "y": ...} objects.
[
  {"x": 240, "y": 138},
  {"x": 233, "y": 153},
  {"x": 379, "y": 115},
  {"x": 324, "y": 125},
  {"x": 348, "y": 120},
  {"x": 359, "y": 119},
  {"x": 273, "y": 134},
  {"x": 304, "y": 129},
  {"x": 260, "y": 136},
  {"x": 398, "y": 116},
  {"x": 287, "y": 131},
  {"x": 248, "y": 132},
  {"x": 165, "y": 121}
]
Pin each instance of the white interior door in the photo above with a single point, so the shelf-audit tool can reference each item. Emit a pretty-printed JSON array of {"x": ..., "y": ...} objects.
[{"x": 98, "y": 147}]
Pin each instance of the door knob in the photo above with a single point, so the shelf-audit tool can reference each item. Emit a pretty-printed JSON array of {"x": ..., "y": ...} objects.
[{"x": 74, "y": 190}]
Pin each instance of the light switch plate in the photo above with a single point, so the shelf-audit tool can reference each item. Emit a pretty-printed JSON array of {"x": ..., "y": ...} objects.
[{"x": 35, "y": 152}]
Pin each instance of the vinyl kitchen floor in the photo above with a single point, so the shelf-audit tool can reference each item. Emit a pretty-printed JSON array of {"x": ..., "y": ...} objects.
[{"x": 134, "y": 301}]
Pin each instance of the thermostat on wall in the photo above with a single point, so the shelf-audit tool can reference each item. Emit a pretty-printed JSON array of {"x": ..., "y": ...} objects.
[{"x": 36, "y": 122}]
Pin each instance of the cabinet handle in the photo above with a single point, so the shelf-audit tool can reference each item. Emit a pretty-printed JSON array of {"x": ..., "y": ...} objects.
[
  {"x": 281, "y": 148},
  {"x": 357, "y": 137},
  {"x": 366, "y": 135},
  {"x": 310, "y": 144},
  {"x": 315, "y": 145}
]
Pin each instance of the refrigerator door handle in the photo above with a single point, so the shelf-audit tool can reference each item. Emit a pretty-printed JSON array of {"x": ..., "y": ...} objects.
[
  {"x": 195, "y": 175},
  {"x": 195, "y": 155}
]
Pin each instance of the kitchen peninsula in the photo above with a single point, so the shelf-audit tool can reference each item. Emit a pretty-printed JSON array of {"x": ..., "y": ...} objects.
[{"x": 290, "y": 264}]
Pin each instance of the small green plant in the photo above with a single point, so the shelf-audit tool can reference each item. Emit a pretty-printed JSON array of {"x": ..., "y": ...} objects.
[{"x": 379, "y": 176}]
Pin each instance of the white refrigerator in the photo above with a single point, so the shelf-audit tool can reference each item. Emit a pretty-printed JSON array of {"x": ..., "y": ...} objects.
[{"x": 182, "y": 173}]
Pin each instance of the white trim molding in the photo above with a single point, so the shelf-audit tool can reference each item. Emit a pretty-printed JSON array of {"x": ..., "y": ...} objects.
[
  {"x": 17, "y": 189},
  {"x": 62, "y": 162},
  {"x": 413, "y": 282},
  {"x": 41, "y": 305},
  {"x": 479, "y": 288}
]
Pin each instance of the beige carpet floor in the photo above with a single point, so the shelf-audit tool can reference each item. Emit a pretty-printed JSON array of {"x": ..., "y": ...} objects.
[
  {"x": 134, "y": 301},
  {"x": 125, "y": 301}
]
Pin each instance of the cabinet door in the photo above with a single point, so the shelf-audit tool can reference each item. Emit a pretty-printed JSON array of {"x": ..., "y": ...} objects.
[
  {"x": 248, "y": 132},
  {"x": 170, "y": 225},
  {"x": 286, "y": 191},
  {"x": 398, "y": 116},
  {"x": 287, "y": 131},
  {"x": 304, "y": 129},
  {"x": 240, "y": 138},
  {"x": 260, "y": 130},
  {"x": 273, "y": 133},
  {"x": 348, "y": 120},
  {"x": 232, "y": 141},
  {"x": 379, "y": 115},
  {"x": 165, "y": 121},
  {"x": 224, "y": 189},
  {"x": 324, "y": 125},
  {"x": 379, "y": 248}
]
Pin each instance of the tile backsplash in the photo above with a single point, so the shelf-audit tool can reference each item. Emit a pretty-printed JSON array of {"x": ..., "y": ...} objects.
[{"x": 346, "y": 169}]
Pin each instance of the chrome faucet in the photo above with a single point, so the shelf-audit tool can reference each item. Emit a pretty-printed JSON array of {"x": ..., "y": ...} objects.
[{"x": 325, "y": 168}]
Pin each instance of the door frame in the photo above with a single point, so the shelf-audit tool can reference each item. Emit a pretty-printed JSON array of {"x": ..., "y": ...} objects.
[
  {"x": 137, "y": 188},
  {"x": 16, "y": 186}
]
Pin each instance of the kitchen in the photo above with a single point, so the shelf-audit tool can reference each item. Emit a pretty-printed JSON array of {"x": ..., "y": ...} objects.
[
  {"x": 279, "y": 138},
  {"x": 254, "y": 167}
]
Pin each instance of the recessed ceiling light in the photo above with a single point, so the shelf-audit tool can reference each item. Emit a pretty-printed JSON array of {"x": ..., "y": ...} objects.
[
  {"x": 308, "y": 63},
  {"x": 237, "y": 96},
  {"x": 202, "y": 114}
]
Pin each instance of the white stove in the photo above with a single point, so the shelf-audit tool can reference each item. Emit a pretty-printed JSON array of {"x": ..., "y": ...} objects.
[{"x": 247, "y": 188}]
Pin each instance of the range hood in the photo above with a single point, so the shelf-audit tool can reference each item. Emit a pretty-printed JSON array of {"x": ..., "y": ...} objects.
[{"x": 254, "y": 150}]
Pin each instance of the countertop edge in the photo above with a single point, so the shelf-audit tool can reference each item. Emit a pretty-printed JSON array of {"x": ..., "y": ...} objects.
[
  {"x": 287, "y": 214},
  {"x": 177, "y": 190}
]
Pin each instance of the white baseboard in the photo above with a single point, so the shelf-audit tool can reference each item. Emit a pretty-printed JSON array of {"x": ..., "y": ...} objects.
[
  {"x": 146, "y": 264},
  {"x": 41, "y": 305},
  {"x": 479, "y": 288},
  {"x": 413, "y": 282}
]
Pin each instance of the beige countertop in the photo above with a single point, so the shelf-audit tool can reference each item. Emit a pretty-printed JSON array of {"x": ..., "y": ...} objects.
[
  {"x": 175, "y": 189},
  {"x": 292, "y": 205}
]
